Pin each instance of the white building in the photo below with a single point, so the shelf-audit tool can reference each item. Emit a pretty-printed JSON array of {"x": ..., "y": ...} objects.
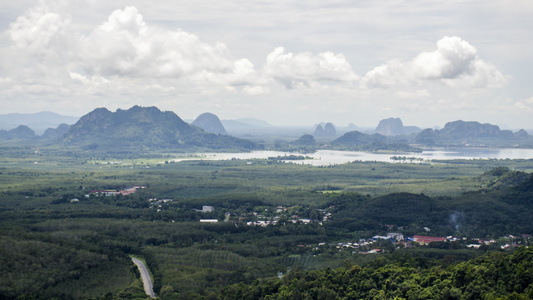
[{"x": 207, "y": 208}]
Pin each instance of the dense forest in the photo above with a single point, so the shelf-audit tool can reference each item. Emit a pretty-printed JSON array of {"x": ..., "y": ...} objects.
[
  {"x": 70, "y": 221},
  {"x": 494, "y": 275}
]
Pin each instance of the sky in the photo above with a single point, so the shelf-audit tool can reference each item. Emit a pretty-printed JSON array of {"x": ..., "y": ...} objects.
[{"x": 287, "y": 62}]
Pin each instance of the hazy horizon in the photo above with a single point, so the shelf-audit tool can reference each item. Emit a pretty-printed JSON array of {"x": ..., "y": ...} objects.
[
  {"x": 306, "y": 125},
  {"x": 285, "y": 62}
]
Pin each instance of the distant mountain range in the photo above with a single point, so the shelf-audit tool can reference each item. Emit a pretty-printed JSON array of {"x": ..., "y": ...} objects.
[
  {"x": 23, "y": 132},
  {"x": 38, "y": 122},
  {"x": 152, "y": 128},
  {"x": 454, "y": 134},
  {"x": 461, "y": 133}
]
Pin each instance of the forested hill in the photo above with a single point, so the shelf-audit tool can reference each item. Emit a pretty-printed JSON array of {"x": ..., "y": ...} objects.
[
  {"x": 491, "y": 276},
  {"x": 145, "y": 127},
  {"x": 505, "y": 204}
]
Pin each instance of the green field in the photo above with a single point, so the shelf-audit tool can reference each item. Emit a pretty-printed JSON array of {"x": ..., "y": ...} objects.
[{"x": 60, "y": 240}]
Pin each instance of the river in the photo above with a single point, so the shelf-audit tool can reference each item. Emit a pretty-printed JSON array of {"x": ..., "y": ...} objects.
[{"x": 332, "y": 157}]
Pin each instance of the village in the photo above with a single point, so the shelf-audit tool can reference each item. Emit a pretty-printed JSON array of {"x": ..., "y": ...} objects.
[
  {"x": 376, "y": 244},
  {"x": 381, "y": 244},
  {"x": 264, "y": 216}
]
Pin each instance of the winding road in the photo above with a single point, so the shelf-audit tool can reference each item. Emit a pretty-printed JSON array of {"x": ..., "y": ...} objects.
[{"x": 145, "y": 276}]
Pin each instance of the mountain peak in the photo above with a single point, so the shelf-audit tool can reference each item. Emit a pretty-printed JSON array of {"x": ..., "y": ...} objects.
[
  {"x": 390, "y": 127},
  {"x": 210, "y": 123},
  {"x": 145, "y": 127},
  {"x": 327, "y": 131},
  {"x": 394, "y": 126}
]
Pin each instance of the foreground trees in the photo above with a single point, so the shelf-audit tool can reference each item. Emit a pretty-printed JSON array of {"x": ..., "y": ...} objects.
[{"x": 491, "y": 276}]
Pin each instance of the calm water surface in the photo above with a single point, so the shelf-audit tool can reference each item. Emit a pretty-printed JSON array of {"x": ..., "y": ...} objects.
[{"x": 331, "y": 157}]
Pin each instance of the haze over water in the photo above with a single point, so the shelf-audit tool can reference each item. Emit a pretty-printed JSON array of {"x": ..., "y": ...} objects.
[{"x": 332, "y": 157}]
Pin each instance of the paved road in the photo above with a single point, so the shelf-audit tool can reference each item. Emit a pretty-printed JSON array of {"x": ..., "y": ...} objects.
[{"x": 145, "y": 276}]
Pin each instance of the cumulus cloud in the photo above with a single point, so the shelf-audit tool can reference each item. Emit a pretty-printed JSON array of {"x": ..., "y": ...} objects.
[
  {"x": 454, "y": 63},
  {"x": 304, "y": 68},
  {"x": 39, "y": 29},
  {"x": 127, "y": 58},
  {"x": 124, "y": 46},
  {"x": 92, "y": 82},
  {"x": 525, "y": 105}
]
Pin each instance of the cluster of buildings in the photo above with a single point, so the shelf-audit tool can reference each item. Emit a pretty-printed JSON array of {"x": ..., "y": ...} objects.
[
  {"x": 158, "y": 203},
  {"x": 368, "y": 246},
  {"x": 124, "y": 192},
  {"x": 323, "y": 215}
]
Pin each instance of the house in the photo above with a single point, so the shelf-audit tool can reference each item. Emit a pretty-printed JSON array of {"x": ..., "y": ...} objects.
[
  {"x": 130, "y": 190},
  {"x": 424, "y": 240},
  {"x": 395, "y": 236},
  {"x": 207, "y": 208},
  {"x": 380, "y": 237},
  {"x": 126, "y": 191},
  {"x": 208, "y": 221},
  {"x": 104, "y": 192}
]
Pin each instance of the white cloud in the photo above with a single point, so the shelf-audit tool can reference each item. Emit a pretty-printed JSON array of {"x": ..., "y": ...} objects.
[
  {"x": 412, "y": 95},
  {"x": 242, "y": 72},
  {"x": 85, "y": 53},
  {"x": 38, "y": 30},
  {"x": 304, "y": 68},
  {"x": 92, "y": 83},
  {"x": 126, "y": 46},
  {"x": 387, "y": 75},
  {"x": 455, "y": 63},
  {"x": 254, "y": 90},
  {"x": 523, "y": 106},
  {"x": 452, "y": 58},
  {"x": 520, "y": 106}
]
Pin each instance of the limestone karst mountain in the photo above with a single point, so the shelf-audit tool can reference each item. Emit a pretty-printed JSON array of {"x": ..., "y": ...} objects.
[
  {"x": 145, "y": 127},
  {"x": 22, "y": 132},
  {"x": 210, "y": 123},
  {"x": 305, "y": 140},
  {"x": 319, "y": 131},
  {"x": 356, "y": 138},
  {"x": 55, "y": 133},
  {"x": 394, "y": 126},
  {"x": 461, "y": 133},
  {"x": 328, "y": 130}
]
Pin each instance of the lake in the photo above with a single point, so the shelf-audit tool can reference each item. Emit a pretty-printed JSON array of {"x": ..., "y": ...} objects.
[{"x": 331, "y": 157}]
